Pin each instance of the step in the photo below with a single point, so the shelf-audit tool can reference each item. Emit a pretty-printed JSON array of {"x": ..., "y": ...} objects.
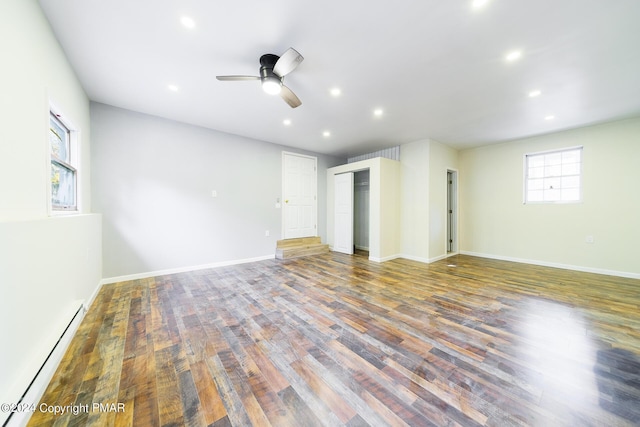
[
  {"x": 301, "y": 241},
  {"x": 300, "y": 251},
  {"x": 305, "y": 246}
]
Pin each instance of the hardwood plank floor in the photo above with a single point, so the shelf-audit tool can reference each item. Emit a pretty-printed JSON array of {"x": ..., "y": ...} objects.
[{"x": 338, "y": 340}]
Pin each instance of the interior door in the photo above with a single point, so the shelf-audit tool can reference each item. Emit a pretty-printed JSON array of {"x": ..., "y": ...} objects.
[
  {"x": 343, "y": 224},
  {"x": 299, "y": 214}
]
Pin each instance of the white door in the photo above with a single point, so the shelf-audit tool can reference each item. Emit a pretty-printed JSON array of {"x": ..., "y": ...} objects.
[
  {"x": 299, "y": 191},
  {"x": 343, "y": 223}
]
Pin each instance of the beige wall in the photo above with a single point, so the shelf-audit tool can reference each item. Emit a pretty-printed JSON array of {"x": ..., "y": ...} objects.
[
  {"x": 424, "y": 198},
  {"x": 441, "y": 159},
  {"x": 414, "y": 158},
  {"x": 34, "y": 72},
  {"x": 390, "y": 237},
  {"x": 496, "y": 223},
  {"x": 47, "y": 265}
]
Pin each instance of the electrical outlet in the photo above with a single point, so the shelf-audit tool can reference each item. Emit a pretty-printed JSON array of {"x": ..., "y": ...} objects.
[
  {"x": 214, "y": 193},
  {"x": 589, "y": 239}
]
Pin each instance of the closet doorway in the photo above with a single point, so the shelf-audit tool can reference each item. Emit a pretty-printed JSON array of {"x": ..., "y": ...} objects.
[
  {"x": 361, "y": 210},
  {"x": 452, "y": 211},
  {"x": 352, "y": 202}
]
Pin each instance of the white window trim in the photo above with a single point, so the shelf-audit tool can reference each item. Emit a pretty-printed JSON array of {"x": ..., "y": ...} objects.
[
  {"x": 74, "y": 148},
  {"x": 553, "y": 202}
]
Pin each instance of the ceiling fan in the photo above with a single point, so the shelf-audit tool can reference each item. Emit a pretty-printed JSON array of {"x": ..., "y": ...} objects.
[{"x": 273, "y": 68}]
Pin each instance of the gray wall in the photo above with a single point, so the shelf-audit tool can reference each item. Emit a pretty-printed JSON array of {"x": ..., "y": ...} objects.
[{"x": 153, "y": 179}]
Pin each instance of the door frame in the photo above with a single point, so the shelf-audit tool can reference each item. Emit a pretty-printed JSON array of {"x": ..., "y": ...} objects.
[
  {"x": 453, "y": 213},
  {"x": 281, "y": 202},
  {"x": 356, "y": 216}
]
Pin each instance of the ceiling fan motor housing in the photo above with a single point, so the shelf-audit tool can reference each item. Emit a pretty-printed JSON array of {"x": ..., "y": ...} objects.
[
  {"x": 267, "y": 63},
  {"x": 271, "y": 82},
  {"x": 269, "y": 60}
]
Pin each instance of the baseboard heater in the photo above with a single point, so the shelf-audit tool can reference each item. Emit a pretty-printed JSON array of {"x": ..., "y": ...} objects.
[{"x": 41, "y": 379}]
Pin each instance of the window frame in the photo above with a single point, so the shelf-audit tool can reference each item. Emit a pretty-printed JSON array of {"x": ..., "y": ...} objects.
[
  {"x": 528, "y": 156},
  {"x": 71, "y": 164}
]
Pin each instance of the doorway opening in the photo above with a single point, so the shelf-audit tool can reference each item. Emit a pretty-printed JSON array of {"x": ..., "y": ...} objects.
[
  {"x": 452, "y": 211},
  {"x": 361, "y": 211}
]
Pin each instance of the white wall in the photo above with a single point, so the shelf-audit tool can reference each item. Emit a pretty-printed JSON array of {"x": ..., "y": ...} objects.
[
  {"x": 153, "y": 179},
  {"x": 47, "y": 265},
  {"x": 496, "y": 223}
]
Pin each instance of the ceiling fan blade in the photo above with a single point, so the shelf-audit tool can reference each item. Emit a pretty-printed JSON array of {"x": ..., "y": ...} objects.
[
  {"x": 290, "y": 97},
  {"x": 287, "y": 62},
  {"x": 237, "y": 78}
]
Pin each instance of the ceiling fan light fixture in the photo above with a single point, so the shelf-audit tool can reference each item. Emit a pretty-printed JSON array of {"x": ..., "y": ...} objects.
[{"x": 271, "y": 85}]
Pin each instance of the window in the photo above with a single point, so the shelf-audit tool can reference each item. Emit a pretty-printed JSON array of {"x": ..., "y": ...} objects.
[
  {"x": 553, "y": 176},
  {"x": 63, "y": 173}
]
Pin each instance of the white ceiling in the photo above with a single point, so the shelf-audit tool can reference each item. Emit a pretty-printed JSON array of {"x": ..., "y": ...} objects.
[{"x": 437, "y": 68}]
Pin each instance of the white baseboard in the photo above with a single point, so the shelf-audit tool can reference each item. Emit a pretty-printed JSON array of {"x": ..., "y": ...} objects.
[
  {"x": 512, "y": 259},
  {"x": 148, "y": 274},
  {"x": 384, "y": 259},
  {"x": 414, "y": 258},
  {"x": 555, "y": 265},
  {"x": 441, "y": 257},
  {"x": 411, "y": 258},
  {"x": 42, "y": 378},
  {"x": 426, "y": 260},
  {"x": 93, "y": 296}
]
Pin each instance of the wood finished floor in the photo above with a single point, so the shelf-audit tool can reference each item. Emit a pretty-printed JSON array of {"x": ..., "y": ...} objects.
[{"x": 338, "y": 340}]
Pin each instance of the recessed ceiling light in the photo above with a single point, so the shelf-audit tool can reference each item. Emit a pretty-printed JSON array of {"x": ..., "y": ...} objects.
[
  {"x": 172, "y": 88},
  {"x": 550, "y": 117},
  {"x": 335, "y": 91},
  {"x": 378, "y": 112},
  {"x": 479, "y": 3},
  {"x": 286, "y": 122},
  {"x": 512, "y": 56},
  {"x": 188, "y": 22},
  {"x": 534, "y": 93},
  {"x": 326, "y": 134}
]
